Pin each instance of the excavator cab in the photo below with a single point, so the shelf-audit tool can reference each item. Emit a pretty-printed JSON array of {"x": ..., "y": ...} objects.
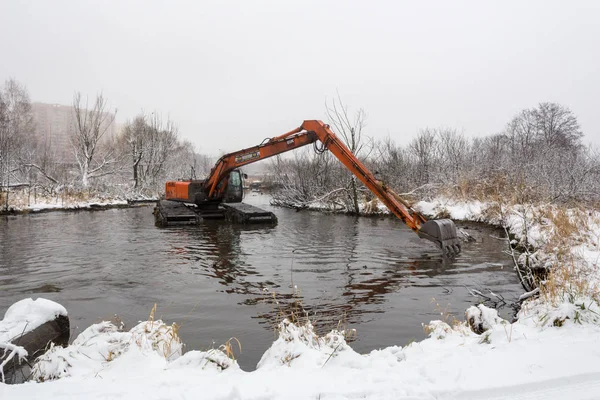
[{"x": 234, "y": 193}]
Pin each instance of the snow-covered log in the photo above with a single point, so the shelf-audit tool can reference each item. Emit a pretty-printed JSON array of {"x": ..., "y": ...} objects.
[
  {"x": 481, "y": 318},
  {"x": 28, "y": 328}
]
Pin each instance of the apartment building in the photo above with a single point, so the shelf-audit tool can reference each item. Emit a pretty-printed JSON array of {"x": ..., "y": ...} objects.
[{"x": 55, "y": 127}]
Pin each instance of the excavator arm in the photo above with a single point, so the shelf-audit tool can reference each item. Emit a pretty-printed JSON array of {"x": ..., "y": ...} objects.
[
  {"x": 272, "y": 147},
  {"x": 442, "y": 232},
  {"x": 391, "y": 200}
]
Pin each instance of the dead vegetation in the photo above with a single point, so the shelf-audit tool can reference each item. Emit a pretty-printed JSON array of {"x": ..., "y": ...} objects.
[{"x": 292, "y": 310}]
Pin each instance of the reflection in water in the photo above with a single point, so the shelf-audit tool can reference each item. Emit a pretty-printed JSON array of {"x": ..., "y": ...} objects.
[
  {"x": 220, "y": 280},
  {"x": 337, "y": 268}
]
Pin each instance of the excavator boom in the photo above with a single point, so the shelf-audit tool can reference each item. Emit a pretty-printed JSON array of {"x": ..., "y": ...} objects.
[
  {"x": 281, "y": 144},
  {"x": 441, "y": 232}
]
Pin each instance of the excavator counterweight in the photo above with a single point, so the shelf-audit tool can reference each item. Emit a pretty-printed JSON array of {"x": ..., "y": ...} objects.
[{"x": 223, "y": 185}]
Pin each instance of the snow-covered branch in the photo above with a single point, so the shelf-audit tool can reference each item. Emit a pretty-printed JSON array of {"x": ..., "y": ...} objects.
[{"x": 10, "y": 352}]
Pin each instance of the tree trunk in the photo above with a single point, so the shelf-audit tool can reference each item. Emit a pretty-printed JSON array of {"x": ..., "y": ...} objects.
[
  {"x": 355, "y": 196},
  {"x": 7, "y": 186},
  {"x": 354, "y": 190},
  {"x": 84, "y": 174},
  {"x": 135, "y": 176}
]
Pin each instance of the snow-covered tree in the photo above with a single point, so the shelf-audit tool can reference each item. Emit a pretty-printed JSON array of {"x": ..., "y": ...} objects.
[
  {"x": 16, "y": 132},
  {"x": 91, "y": 124}
]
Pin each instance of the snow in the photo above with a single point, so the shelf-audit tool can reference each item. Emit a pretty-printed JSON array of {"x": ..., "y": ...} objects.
[
  {"x": 21, "y": 201},
  {"x": 481, "y": 318},
  {"x": 103, "y": 343},
  {"x": 549, "y": 352},
  {"x": 300, "y": 346},
  {"x": 454, "y": 209},
  {"x": 26, "y": 315},
  {"x": 526, "y": 359},
  {"x": 75, "y": 205}
]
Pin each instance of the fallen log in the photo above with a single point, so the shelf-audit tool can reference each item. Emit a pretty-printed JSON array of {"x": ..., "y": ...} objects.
[{"x": 27, "y": 330}]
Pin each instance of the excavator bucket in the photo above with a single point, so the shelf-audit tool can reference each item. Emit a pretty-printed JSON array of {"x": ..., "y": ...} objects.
[{"x": 442, "y": 232}]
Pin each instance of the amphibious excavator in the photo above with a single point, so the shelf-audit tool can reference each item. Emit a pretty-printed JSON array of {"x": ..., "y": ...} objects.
[{"x": 219, "y": 196}]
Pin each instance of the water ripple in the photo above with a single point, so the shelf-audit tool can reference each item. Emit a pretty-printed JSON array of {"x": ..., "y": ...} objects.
[{"x": 220, "y": 280}]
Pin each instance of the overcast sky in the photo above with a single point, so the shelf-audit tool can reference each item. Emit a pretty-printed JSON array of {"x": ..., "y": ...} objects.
[{"x": 232, "y": 73}]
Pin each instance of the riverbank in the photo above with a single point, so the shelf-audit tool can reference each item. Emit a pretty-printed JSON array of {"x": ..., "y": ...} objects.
[
  {"x": 549, "y": 352},
  {"x": 532, "y": 358},
  {"x": 23, "y": 203}
]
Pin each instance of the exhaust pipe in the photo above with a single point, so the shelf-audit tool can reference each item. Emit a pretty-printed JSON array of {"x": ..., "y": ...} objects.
[{"x": 442, "y": 232}]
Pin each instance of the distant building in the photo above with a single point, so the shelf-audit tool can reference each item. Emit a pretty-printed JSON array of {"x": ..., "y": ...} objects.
[{"x": 55, "y": 126}]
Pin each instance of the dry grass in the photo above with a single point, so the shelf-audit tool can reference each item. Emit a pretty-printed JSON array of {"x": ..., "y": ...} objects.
[
  {"x": 495, "y": 188},
  {"x": 570, "y": 225},
  {"x": 164, "y": 338},
  {"x": 370, "y": 206},
  {"x": 445, "y": 314},
  {"x": 349, "y": 334},
  {"x": 295, "y": 313},
  {"x": 228, "y": 348},
  {"x": 152, "y": 313},
  {"x": 570, "y": 277},
  {"x": 494, "y": 211},
  {"x": 569, "y": 281}
]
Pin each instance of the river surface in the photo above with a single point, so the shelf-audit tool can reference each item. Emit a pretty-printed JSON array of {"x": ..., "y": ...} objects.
[{"x": 218, "y": 280}]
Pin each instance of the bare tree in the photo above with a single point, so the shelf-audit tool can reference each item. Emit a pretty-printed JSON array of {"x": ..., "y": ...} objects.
[
  {"x": 453, "y": 149},
  {"x": 533, "y": 131},
  {"x": 423, "y": 148},
  {"x": 90, "y": 126},
  {"x": 393, "y": 166},
  {"x": 152, "y": 142},
  {"x": 556, "y": 126},
  {"x": 305, "y": 177},
  {"x": 186, "y": 163},
  {"x": 539, "y": 157},
  {"x": 350, "y": 128},
  {"x": 16, "y": 131},
  {"x": 160, "y": 143},
  {"x": 135, "y": 135}
]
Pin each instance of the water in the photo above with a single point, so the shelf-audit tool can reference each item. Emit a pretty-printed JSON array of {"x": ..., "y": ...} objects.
[{"x": 220, "y": 281}]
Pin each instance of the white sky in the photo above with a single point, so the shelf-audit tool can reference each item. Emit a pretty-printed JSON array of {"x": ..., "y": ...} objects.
[{"x": 231, "y": 73}]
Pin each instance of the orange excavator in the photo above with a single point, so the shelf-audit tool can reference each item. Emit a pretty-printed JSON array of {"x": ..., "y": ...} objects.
[{"x": 220, "y": 195}]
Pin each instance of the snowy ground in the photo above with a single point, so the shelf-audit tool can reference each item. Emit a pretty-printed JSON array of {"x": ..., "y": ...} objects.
[
  {"x": 550, "y": 352},
  {"x": 24, "y": 202},
  {"x": 525, "y": 360}
]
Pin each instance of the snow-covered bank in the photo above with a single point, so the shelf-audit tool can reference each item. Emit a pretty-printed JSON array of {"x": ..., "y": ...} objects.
[
  {"x": 563, "y": 244},
  {"x": 21, "y": 203},
  {"x": 528, "y": 359}
]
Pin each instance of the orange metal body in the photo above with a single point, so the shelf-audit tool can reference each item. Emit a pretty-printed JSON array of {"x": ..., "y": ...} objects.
[
  {"x": 177, "y": 190},
  {"x": 309, "y": 132}
]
